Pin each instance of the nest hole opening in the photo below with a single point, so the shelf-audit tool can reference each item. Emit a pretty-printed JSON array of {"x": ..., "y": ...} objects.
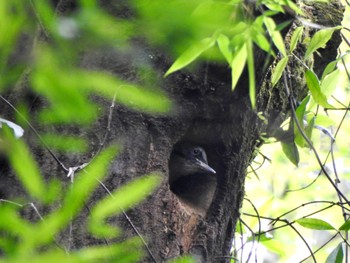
[{"x": 192, "y": 177}]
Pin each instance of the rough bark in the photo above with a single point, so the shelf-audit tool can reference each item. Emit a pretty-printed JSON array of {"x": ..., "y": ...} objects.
[{"x": 208, "y": 114}]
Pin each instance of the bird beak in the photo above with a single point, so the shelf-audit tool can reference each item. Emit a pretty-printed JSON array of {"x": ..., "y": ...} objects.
[{"x": 205, "y": 167}]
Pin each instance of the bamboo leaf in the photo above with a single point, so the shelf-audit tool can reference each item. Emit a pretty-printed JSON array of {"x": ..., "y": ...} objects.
[
  {"x": 291, "y": 152},
  {"x": 319, "y": 40},
  {"x": 251, "y": 72},
  {"x": 275, "y": 35},
  {"x": 278, "y": 70},
  {"x": 237, "y": 65},
  {"x": 191, "y": 54},
  {"x": 314, "y": 223},
  {"x": 313, "y": 84},
  {"x": 224, "y": 46},
  {"x": 298, "y": 32}
]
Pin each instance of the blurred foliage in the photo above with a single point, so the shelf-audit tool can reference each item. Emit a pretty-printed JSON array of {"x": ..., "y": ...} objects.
[{"x": 190, "y": 31}]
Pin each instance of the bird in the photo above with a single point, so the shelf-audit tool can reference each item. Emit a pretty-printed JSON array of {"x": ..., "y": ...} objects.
[{"x": 191, "y": 178}]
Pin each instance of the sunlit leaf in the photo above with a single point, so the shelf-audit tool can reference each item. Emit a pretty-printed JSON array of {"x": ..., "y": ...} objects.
[
  {"x": 291, "y": 151},
  {"x": 191, "y": 54},
  {"x": 319, "y": 40},
  {"x": 314, "y": 86},
  {"x": 224, "y": 46},
  {"x": 330, "y": 82},
  {"x": 278, "y": 70},
  {"x": 345, "y": 226},
  {"x": 298, "y": 32},
  {"x": 251, "y": 72},
  {"x": 314, "y": 223},
  {"x": 237, "y": 65},
  {"x": 337, "y": 255},
  {"x": 324, "y": 120},
  {"x": 329, "y": 68},
  {"x": 300, "y": 113},
  {"x": 275, "y": 35}
]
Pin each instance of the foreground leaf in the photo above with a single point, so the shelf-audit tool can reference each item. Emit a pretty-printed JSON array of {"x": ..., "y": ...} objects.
[
  {"x": 122, "y": 199},
  {"x": 336, "y": 256},
  {"x": 278, "y": 70},
  {"x": 191, "y": 54}
]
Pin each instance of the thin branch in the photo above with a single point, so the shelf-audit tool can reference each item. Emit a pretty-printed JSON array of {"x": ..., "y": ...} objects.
[{"x": 308, "y": 140}]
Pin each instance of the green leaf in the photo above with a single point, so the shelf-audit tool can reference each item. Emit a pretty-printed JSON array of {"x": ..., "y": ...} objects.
[
  {"x": 130, "y": 95},
  {"x": 275, "y": 35},
  {"x": 291, "y": 151},
  {"x": 330, "y": 82},
  {"x": 224, "y": 46},
  {"x": 298, "y": 32},
  {"x": 191, "y": 54},
  {"x": 324, "y": 120},
  {"x": 300, "y": 112},
  {"x": 336, "y": 256},
  {"x": 329, "y": 68},
  {"x": 84, "y": 184},
  {"x": 313, "y": 84},
  {"x": 122, "y": 199},
  {"x": 237, "y": 65},
  {"x": 314, "y": 223},
  {"x": 345, "y": 226},
  {"x": 251, "y": 72},
  {"x": 319, "y": 40},
  {"x": 278, "y": 70},
  {"x": 24, "y": 165}
]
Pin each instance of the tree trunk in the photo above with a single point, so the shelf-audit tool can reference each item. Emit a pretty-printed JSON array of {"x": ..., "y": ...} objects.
[{"x": 206, "y": 114}]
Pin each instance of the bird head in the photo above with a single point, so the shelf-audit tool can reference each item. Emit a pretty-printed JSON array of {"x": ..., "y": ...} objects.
[{"x": 187, "y": 159}]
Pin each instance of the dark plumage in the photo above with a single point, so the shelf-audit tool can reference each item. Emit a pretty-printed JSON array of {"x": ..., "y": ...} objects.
[{"x": 191, "y": 178}]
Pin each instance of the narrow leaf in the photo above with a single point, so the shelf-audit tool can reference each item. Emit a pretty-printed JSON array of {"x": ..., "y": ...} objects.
[
  {"x": 298, "y": 32},
  {"x": 24, "y": 165},
  {"x": 330, "y": 82},
  {"x": 313, "y": 84},
  {"x": 121, "y": 199},
  {"x": 251, "y": 72},
  {"x": 191, "y": 54},
  {"x": 224, "y": 46},
  {"x": 319, "y": 40},
  {"x": 337, "y": 255},
  {"x": 291, "y": 151},
  {"x": 314, "y": 223},
  {"x": 300, "y": 112},
  {"x": 278, "y": 70},
  {"x": 237, "y": 65},
  {"x": 275, "y": 35},
  {"x": 345, "y": 226}
]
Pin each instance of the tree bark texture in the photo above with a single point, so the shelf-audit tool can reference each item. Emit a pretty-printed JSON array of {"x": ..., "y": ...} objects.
[{"x": 206, "y": 113}]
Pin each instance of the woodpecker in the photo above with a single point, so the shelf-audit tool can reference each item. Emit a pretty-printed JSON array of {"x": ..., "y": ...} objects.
[
  {"x": 188, "y": 160},
  {"x": 191, "y": 179}
]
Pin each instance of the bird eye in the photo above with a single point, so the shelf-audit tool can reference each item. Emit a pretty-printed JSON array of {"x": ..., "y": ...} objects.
[{"x": 196, "y": 151}]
